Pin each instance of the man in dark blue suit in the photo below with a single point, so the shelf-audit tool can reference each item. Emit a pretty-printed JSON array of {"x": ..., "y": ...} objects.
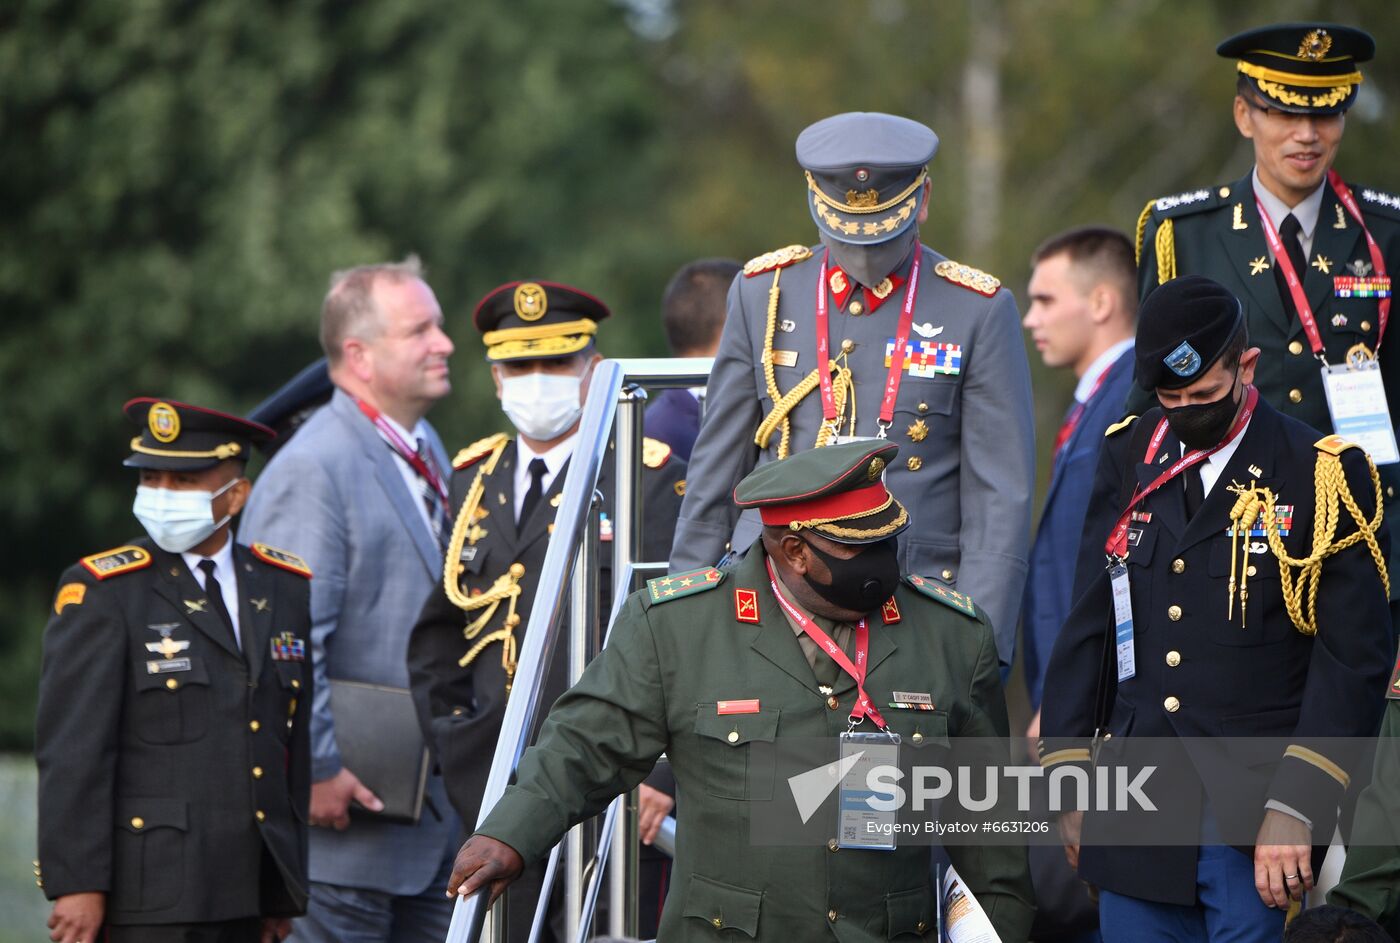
[
  {"x": 692, "y": 311},
  {"x": 1082, "y": 314}
]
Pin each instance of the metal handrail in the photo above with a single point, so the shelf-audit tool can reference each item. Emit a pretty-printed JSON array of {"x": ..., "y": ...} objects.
[{"x": 595, "y": 427}]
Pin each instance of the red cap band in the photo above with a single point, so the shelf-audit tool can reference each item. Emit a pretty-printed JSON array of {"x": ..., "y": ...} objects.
[{"x": 828, "y": 507}]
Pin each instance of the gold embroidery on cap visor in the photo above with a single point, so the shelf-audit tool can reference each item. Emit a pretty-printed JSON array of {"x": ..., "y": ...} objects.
[
  {"x": 1280, "y": 86},
  {"x": 540, "y": 340},
  {"x": 828, "y": 209},
  {"x": 530, "y": 301},
  {"x": 832, "y": 526},
  {"x": 164, "y": 422}
]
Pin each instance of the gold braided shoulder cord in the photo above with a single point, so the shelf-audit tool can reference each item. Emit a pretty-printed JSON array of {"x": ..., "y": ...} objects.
[
  {"x": 770, "y": 378},
  {"x": 505, "y": 588},
  {"x": 1166, "y": 252},
  {"x": 1331, "y": 494},
  {"x": 1141, "y": 229}
]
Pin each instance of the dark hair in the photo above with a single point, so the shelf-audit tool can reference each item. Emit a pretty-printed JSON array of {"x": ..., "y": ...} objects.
[
  {"x": 1101, "y": 252},
  {"x": 1235, "y": 347},
  {"x": 692, "y": 308},
  {"x": 1333, "y": 925}
]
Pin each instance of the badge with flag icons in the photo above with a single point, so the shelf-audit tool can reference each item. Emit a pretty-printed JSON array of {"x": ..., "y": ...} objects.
[
  {"x": 927, "y": 358},
  {"x": 287, "y": 647},
  {"x": 1283, "y": 520}
]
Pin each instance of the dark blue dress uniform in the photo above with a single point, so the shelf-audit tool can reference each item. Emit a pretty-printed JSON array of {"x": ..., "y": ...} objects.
[
  {"x": 1200, "y": 673},
  {"x": 174, "y": 765},
  {"x": 1217, "y": 231}
]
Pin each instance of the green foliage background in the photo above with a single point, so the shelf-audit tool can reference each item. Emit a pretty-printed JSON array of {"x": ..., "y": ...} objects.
[{"x": 179, "y": 177}]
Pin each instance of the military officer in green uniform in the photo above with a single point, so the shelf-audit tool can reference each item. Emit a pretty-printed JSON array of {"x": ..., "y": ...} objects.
[
  {"x": 1371, "y": 877},
  {"x": 872, "y": 334},
  {"x": 712, "y": 664},
  {"x": 173, "y": 760},
  {"x": 1309, "y": 255},
  {"x": 539, "y": 339}
]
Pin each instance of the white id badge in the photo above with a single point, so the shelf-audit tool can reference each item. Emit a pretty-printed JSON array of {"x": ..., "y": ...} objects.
[
  {"x": 1360, "y": 414},
  {"x": 843, "y": 439},
  {"x": 866, "y": 814},
  {"x": 1123, "y": 622}
]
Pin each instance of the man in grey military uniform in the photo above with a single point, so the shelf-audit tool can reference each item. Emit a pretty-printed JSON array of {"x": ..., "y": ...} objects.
[{"x": 870, "y": 333}]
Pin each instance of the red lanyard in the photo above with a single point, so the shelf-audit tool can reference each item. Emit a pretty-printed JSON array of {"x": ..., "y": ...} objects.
[
  {"x": 1295, "y": 278},
  {"x": 405, "y": 451},
  {"x": 901, "y": 339},
  {"x": 1117, "y": 544},
  {"x": 864, "y": 706},
  {"x": 1377, "y": 258},
  {"x": 1072, "y": 420}
]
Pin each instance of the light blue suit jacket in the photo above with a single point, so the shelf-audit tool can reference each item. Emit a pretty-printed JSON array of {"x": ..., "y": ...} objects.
[{"x": 334, "y": 495}]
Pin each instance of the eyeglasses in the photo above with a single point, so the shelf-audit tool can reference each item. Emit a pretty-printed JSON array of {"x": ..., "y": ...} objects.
[{"x": 1280, "y": 113}]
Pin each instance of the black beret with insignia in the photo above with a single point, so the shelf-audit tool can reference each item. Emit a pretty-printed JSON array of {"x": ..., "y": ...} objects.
[{"x": 1184, "y": 325}]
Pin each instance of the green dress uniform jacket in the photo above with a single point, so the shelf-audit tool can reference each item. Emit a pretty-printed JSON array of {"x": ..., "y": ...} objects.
[
  {"x": 1371, "y": 877},
  {"x": 655, "y": 688},
  {"x": 1217, "y": 232},
  {"x": 174, "y": 769},
  {"x": 962, "y": 418}
]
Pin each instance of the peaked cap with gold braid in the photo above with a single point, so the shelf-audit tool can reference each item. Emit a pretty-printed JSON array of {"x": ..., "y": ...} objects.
[
  {"x": 537, "y": 321},
  {"x": 177, "y": 436},
  {"x": 1302, "y": 68}
]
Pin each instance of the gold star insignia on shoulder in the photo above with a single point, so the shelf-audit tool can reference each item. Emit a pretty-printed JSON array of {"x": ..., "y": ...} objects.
[
  {"x": 1323, "y": 264},
  {"x": 1258, "y": 265}
]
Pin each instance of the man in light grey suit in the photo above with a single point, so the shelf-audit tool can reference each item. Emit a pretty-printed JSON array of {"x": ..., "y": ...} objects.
[
  {"x": 359, "y": 493},
  {"x": 954, "y": 391}
]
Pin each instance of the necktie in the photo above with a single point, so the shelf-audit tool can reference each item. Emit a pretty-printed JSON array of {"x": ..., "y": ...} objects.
[
  {"x": 431, "y": 499},
  {"x": 215, "y": 592},
  {"x": 536, "y": 491},
  {"x": 1195, "y": 492},
  {"x": 1290, "y": 233}
]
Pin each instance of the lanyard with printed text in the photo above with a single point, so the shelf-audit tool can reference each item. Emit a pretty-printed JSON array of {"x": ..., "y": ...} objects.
[
  {"x": 1117, "y": 544},
  {"x": 864, "y": 706},
  {"x": 901, "y": 339},
  {"x": 1294, "y": 278},
  {"x": 405, "y": 451}
]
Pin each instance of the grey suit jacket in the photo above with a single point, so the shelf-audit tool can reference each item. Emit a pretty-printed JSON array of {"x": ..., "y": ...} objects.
[
  {"x": 335, "y": 496},
  {"x": 966, "y": 463}
]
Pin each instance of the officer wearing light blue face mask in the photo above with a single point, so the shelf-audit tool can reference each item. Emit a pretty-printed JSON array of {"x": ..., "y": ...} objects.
[
  {"x": 539, "y": 339},
  {"x": 168, "y": 728}
]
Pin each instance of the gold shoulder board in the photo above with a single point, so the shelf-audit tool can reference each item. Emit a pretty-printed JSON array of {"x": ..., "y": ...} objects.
[
  {"x": 1333, "y": 445},
  {"x": 968, "y": 277},
  {"x": 778, "y": 258},
  {"x": 115, "y": 562},
  {"x": 1120, "y": 425},
  {"x": 479, "y": 450},
  {"x": 281, "y": 558},
  {"x": 655, "y": 453}
]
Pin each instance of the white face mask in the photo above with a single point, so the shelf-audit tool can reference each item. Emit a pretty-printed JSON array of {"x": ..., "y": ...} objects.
[
  {"x": 542, "y": 405},
  {"x": 178, "y": 520}
]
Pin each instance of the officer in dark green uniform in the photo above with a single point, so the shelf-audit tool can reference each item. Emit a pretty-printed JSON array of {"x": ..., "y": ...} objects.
[
  {"x": 1341, "y": 242},
  {"x": 1371, "y": 877},
  {"x": 706, "y": 664},
  {"x": 173, "y": 759}
]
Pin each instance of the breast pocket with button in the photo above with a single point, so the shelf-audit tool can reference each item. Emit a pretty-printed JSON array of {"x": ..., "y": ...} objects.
[{"x": 734, "y": 769}]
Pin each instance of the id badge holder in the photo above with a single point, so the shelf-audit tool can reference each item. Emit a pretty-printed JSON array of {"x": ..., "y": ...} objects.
[
  {"x": 1360, "y": 413},
  {"x": 866, "y": 812},
  {"x": 1123, "y": 621}
]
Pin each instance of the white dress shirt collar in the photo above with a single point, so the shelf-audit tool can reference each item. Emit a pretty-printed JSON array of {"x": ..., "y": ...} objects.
[
  {"x": 1100, "y": 365},
  {"x": 554, "y": 460},
  {"x": 1305, "y": 212},
  {"x": 225, "y": 573}
]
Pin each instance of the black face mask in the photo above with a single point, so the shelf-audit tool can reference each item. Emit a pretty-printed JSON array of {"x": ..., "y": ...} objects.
[
  {"x": 862, "y": 583},
  {"x": 1203, "y": 425}
]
